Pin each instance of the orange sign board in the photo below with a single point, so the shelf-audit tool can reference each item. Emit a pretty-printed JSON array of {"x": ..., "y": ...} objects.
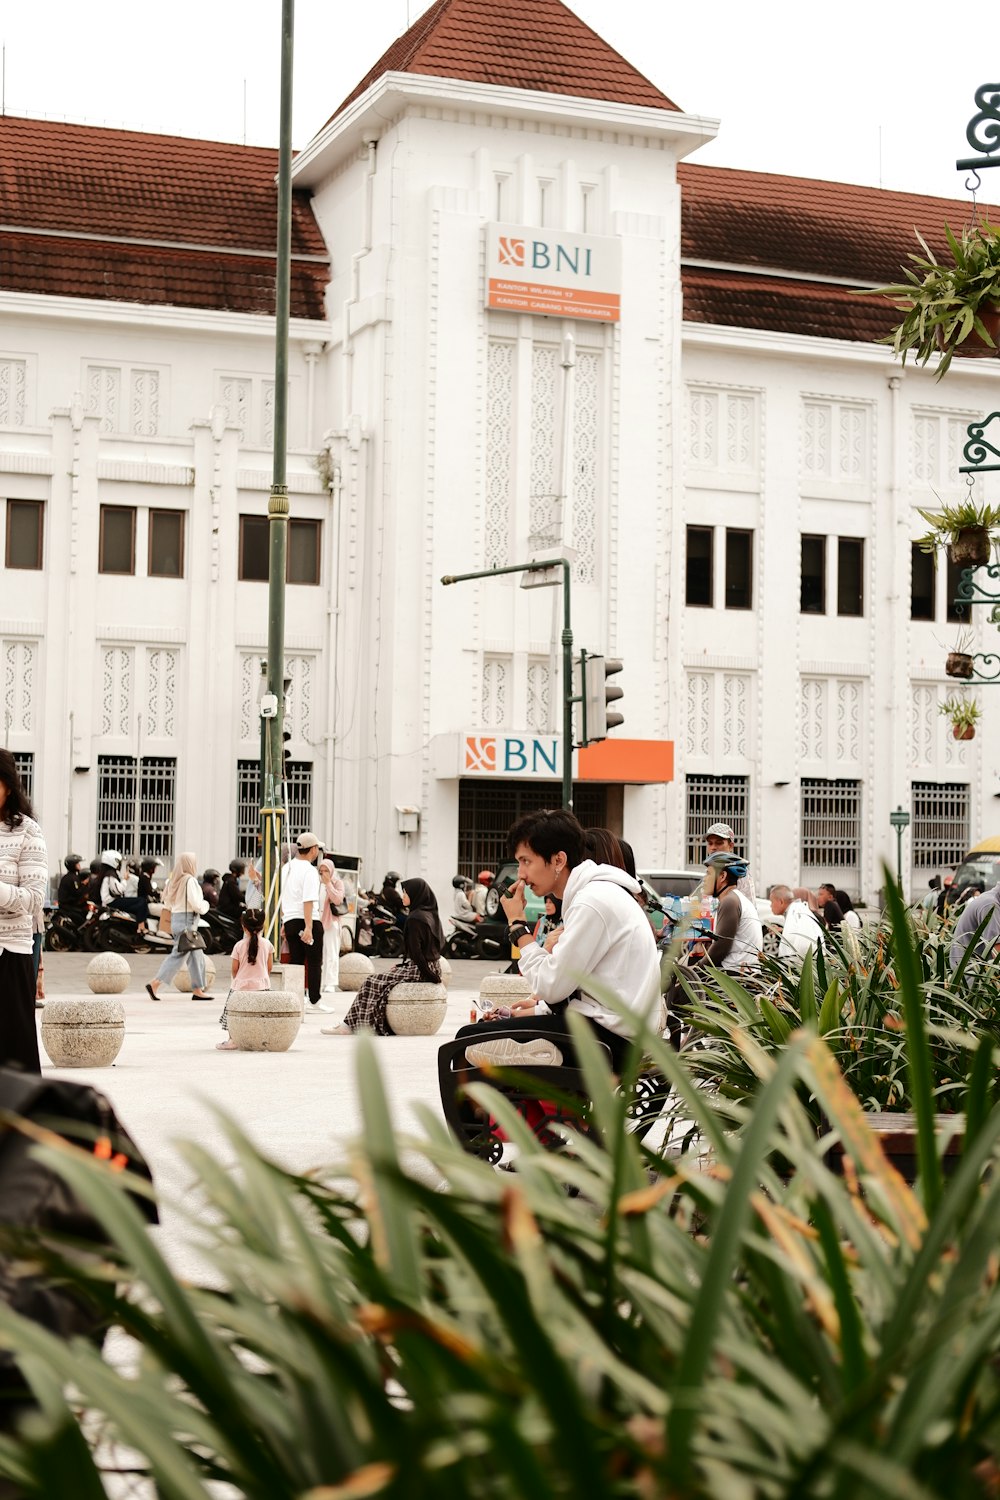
[
  {"x": 553, "y": 272},
  {"x": 638, "y": 762}
]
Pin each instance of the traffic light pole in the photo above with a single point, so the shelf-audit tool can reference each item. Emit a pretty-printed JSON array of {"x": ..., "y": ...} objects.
[
  {"x": 568, "y": 695},
  {"x": 271, "y": 776}
]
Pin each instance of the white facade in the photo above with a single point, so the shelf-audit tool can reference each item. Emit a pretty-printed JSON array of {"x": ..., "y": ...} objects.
[{"x": 425, "y": 440}]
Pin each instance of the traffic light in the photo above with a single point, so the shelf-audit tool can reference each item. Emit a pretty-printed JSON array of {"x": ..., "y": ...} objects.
[{"x": 598, "y": 694}]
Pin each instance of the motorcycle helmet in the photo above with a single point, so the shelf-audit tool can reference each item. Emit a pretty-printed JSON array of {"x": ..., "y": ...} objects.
[
  {"x": 149, "y": 866},
  {"x": 211, "y": 875},
  {"x": 112, "y": 858},
  {"x": 73, "y": 861},
  {"x": 95, "y": 867},
  {"x": 485, "y": 877},
  {"x": 237, "y": 867},
  {"x": 392, "y": 878},
  {"x": 458, "y": 881}
]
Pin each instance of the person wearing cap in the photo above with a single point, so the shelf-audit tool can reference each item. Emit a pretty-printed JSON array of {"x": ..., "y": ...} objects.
[
  {"x": 720, "y": 839},
  {"x": 300, "y": 911}
]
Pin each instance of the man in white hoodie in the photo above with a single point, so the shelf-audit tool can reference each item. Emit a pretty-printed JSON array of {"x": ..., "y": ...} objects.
[{"x": 605, "y": 944}]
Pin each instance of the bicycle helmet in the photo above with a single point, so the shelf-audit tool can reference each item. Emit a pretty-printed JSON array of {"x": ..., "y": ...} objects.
[
  {"x": 72, "y": 861},
  {"x": 485, "y": 877},
  {"x": 733, "y": 864}
]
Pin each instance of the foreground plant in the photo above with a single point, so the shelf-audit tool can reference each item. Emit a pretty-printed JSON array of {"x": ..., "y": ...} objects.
[
  {"x": 949, "y": 305},
  {"x": 673, "y": 1326}
]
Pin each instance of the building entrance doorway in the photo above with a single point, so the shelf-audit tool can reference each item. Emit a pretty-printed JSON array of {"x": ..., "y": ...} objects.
[{"x": 487, "y": 808}]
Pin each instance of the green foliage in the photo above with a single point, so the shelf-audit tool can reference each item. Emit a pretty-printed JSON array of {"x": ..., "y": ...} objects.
[
  {"x": 610, "y": 1321},
  {"x": 942, "y": 304},
  {"x": 963, "y": 713},
  {"x": 948, "y": 520}
]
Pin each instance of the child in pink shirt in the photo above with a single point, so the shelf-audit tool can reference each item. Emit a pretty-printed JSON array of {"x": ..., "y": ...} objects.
[{"x": 252, "y": 960}]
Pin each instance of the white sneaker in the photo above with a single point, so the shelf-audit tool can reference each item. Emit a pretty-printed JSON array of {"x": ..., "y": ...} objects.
[
  {"x": 505, "y": 1052},
  {"x": 335, "y": 1031}
]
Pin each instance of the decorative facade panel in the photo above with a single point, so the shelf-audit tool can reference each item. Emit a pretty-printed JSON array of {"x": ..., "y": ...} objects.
[
  {"x": 735, "y": 714},
  {"x": 936, "y": 443},
  {"x": 144, "y": 403},
  {"x": 236, "y": 399},
  {"x": 249, "y": 672},
  {"x": 116, "y": 690},
  {"x": 723, "y": 429},
  {"x": 104, "y": 389},
  {"x": 494, "y": 705},
  {"x": 699, "y": 713},
  {"x": 539, "y": 694},
  {"x": 830, "y": 738},
  {"x": 811, "y": 722},
  {"x": 835, "y": 441},
  {"x": 586, "y": 429},
  {"x": 20, "y": 659},
  {"x": 499, "y": 452},
  {"x": 298, "y": 718},
  {"x": 847, "y": 720},
  {"x": 161, "y": 693},
  {"x": 267, "y": 425},
  {"x": 13, "y": 392},
  {"x": 544, "y": 415}
]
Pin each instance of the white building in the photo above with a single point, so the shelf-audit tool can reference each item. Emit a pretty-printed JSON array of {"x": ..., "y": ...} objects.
[{"x": 740, "y": 465}]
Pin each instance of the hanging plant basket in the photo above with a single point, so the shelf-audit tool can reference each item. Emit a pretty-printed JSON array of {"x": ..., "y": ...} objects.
[
  {"x": 971, "y": 547},
  {"x": 964, "y": 731},
  {"x": 975, "y": 346},
  {"x": 959, "y": 664}
]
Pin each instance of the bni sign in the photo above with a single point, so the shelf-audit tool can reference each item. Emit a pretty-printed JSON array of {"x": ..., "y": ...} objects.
[
  {"x": 533, "y": 756},
  {"x": 558, "y": 275}
]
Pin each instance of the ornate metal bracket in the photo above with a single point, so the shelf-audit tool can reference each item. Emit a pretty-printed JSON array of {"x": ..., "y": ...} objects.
[
  {"x": 971, "y": 591},
  {"x": 990, "y": 670},
  {"x": 983, "y": 132},
  {"x": 977, "y": 450}
]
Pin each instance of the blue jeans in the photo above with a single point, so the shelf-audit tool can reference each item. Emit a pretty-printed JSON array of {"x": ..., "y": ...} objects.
[{"x": 181, "y": 921}]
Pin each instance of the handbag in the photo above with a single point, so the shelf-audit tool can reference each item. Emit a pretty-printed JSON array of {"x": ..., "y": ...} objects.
[
  {"x": 190, "y": 939},
  {"x": 341, "y": 909}
]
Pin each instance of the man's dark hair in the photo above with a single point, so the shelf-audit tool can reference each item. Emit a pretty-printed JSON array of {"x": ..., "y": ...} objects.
[
  {"x": 548, "y": 832},
  {"x": 18, "y": 804}
]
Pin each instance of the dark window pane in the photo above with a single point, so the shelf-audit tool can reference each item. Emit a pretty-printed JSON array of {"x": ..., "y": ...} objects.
[
  {"x": 699, "y": 565},
  {"x": 953, "y": 578},
  {"x": 739, "y": 569},
  {"x": 850, "y": 575},
  {"x": 921, "y": 584},
  {"x": 117, "y": 539},
  {"x": 253, "y": 548},
  {"x": 303, "y": 552},
  {"x": 166, "y": 543},
  {"x": 813, "y": 599},
  {"x": 24, "y": 533}
]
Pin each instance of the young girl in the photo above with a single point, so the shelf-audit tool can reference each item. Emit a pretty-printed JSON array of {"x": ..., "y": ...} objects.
[{"x": 252, "y": 959}]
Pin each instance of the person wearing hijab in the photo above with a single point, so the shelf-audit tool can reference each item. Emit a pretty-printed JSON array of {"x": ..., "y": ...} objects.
[
  {"x": 185, "y": 902},
  {"x": 423, "y": 939},
  {"x": 331, "y": 899}
]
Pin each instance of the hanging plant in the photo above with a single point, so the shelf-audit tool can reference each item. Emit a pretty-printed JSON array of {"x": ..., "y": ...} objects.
[
  {"x": 950, "y": 308},
  {"x": 959, "y": 662},
  {"x": 964, "y": 529},
  {"x": 964, "y": 714}
]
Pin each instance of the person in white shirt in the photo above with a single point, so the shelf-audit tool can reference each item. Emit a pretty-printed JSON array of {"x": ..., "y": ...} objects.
[
  {"x": 301, "y": 914},
  {"x": 801, "y": 933}
]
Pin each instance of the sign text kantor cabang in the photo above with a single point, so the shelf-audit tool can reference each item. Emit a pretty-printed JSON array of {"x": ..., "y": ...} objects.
[{"x": 547, "y": 271}]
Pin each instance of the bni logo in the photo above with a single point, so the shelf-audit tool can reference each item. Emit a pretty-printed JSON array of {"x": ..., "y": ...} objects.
[
  {"x": 510, "y": 252},
  {"x": 480, "y": 752}
]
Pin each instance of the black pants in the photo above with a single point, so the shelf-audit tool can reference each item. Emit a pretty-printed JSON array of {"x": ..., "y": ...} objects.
[
  {"x": 555, "y": 1025},
  {"x": 18, "y": 1037},
  {"x": 310, "y": 955}
]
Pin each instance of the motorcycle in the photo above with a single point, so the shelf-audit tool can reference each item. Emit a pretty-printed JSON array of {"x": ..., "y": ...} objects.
[
  {"x": 377, "y": 931},
  {"x": 220, "y": 932},
  {"x": 63, "y": 932},
  {"x": 110, "y": 930},
  {"x": 483, "y": 939}
]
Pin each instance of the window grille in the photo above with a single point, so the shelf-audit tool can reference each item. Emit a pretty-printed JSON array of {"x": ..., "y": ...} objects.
[
  {"x": 117, "y": 824},
  {"x": 298, "y": 785},
  {"x": 716, "y": 799},
  {"x": 940, "y": 826},
  {"x": 486, "y": 812},
  {"x": 831, "y": 824},
  {"x": 24, "y": 760}
]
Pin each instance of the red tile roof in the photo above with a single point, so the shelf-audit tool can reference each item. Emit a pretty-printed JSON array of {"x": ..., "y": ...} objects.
[
  {"x": 120, "y": 186},
  {"x": 517, "y": 44},
  {"x": 817, "y": 229}
]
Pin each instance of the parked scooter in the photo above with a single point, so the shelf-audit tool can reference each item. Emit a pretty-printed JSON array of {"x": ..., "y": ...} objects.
[
  {"x": 377, "y": 933},
  {"x": 220, "y": 932}
]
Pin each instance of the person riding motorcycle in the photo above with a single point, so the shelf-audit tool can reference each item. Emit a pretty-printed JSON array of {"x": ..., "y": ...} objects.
[
  {"x": 210, "y": 887},
  {"x": 389, "y": 896},
  {"x": 112, "y": 888},
  {"x": 483, "y": 882},
  {"x": 230, "y": 897},
  {"x": 463, "y": 909},
  {"x": 72, "y": 894}
]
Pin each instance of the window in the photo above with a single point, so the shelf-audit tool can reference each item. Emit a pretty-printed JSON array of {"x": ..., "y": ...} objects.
[
  {"x": 24, "y": 533},
  {"x": 739, "y": 569},
  {"x": 166, "y": 544},
  {"x": 940, "y": 827},
  {"x": 117, "y": 539},
  {"x": 302, "y": 557},
  {"x": 922, "y": 581},
  {"x": 813, "y": 596},
  {"x": 298, "y": 788},
  {"x": 955, "y": 613},
  {"x": 120, "y": 823},
  {"x": 24, "y": 761},
  {"x": 699, "y": 565},
  {"x": 715, "y": 799},
  {"x": 831, "y": 824},
  {"x": 850, "y": 575}
]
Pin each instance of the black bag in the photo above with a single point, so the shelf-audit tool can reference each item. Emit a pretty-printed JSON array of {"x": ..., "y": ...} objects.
[
  {"x": 35, "y": 1200},
  {"x": 190, "y": 941},
  {"x": 341, "y": 909}
]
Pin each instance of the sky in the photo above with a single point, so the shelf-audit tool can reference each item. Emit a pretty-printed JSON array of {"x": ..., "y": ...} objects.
[{"x": 858, "y": 92}]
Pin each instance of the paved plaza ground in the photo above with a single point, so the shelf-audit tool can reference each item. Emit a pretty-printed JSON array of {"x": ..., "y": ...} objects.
[{"x": 300, "y": 1106}]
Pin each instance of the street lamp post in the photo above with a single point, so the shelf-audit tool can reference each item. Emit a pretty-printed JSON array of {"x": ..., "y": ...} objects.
[
  {"x": 567, "y": 654},
  {"x": 900, "y": 820},
  {"x": 271, "y": 775}
]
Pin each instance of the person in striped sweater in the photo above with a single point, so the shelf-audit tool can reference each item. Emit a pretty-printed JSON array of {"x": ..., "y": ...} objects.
[{"x": 24, "y": 875}]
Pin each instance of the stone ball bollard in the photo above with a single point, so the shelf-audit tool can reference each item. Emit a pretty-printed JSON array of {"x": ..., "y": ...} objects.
[
  {"x": 446, "y": 971},
  {"x": 83, "y": 1032},
  {"x": 501, "y": 989},
  {"x": 264, "y": 1020},
  {"x": 182, "y": 979},
  {"x": 416, "y": 1009},
  {"x": 108, "y": 974},
  {"x": 354, "y": 970}
]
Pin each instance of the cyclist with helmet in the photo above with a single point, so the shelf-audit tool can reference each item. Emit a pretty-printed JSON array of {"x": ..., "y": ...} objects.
[
  {"x": 230, "y": 898},
  {"x": 483, "y": 882},
  {"x": 738, "y": 936},
  {"x": 72, "y": 894}
]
